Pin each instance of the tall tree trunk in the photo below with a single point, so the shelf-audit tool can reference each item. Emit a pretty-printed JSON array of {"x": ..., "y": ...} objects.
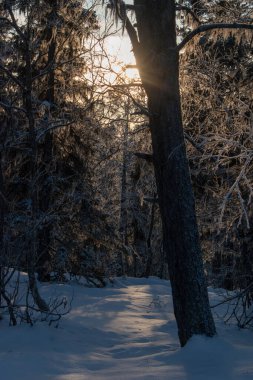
[
  {"x": 4, "y": 121},
  {"x": 46, "y": 152},
  {"x": 123, "y": 199},
  {"x": 149, "y": 249},
  {"x": 158, "y": 61},
  {"x": 33, "y": 189},
  {"x": 2, "y": 216}
]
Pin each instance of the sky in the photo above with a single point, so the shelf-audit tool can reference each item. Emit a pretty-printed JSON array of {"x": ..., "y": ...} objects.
[
  {"x": 117, "y": 44},
  {"x": 120, "y": 47}
]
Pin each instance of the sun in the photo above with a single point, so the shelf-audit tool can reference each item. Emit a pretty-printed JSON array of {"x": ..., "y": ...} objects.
[
  {"x": 119, "y": 48},
  {"x": 132, "y": 73}
]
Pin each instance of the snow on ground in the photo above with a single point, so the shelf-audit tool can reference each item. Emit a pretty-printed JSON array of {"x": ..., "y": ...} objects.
[{"x": 125, "y": 331}]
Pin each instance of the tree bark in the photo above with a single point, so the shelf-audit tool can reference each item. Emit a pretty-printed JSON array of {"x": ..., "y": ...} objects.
[
  {"x": 33, "y": 234},
  {"x": 2, "y": 216},
  {"x": 149, "y": 249},
  {"x": 123, "y": 196},
  {"x": 5, "y": 124},
  {"x": 46, "y": 153},
  {"x": 158, "y": 62}
]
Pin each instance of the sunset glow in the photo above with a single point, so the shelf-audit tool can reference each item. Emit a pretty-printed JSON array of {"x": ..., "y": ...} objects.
[{"x": 119, "y": 47}]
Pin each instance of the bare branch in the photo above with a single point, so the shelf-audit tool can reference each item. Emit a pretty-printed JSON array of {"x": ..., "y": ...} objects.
[
  {"x": 11, "y": 107},
  {"x": 145, "y": 156},
  {"x": 180, "y": 7},
  {"x": 151, "y": 200},
  {"x": 14, "y": 24},
  {"x": 11, "y": 76},
  {"x": 133, "y": 37},
  {"x": 53, "y": 127},
  {"x": 207, "y": 27},
  {"x": 196, "y": 146}
]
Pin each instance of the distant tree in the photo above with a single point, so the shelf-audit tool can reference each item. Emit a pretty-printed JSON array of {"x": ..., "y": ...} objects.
[
  {"x": 216, "y": 82},
  {"x": 42, "y": 57}
]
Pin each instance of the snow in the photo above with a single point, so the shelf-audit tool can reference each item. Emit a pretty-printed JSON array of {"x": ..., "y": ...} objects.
[{"x": 125, "y": 331}]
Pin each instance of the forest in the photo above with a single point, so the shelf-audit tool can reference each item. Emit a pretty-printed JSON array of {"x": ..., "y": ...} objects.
[{"x": 126, "y": 152}]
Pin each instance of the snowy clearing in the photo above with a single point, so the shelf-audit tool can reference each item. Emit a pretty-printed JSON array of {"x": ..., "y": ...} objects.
[{"x": 125, "y": 331}]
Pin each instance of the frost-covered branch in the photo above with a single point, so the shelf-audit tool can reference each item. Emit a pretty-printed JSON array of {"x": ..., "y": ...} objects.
[{"x": 207, "y": 27}]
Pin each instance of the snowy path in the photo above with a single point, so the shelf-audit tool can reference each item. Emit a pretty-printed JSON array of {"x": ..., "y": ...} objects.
[{"x": 123, "y": 332}]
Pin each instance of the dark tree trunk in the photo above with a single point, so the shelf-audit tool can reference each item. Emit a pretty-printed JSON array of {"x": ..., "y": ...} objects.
[
  {"x": 4, "y": 121},
  {"x": 158, "y": 62},
  {"x": 44, "y": 198},
  {"x": 33, "y": 234},
  {"x": 123, "y": 222},
  {"x": 2, "y": 215},
  {"x": 149, "y": 250},
  {"x": 46, "y": 153},
  {"x": 2, "y": 192}
]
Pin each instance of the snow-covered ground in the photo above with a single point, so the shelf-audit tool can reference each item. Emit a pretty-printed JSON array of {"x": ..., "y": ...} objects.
[{"x": 125, "y": 331}]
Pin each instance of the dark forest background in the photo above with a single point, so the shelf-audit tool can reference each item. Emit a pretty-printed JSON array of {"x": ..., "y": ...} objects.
[{"x": 77, "y": 188}]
